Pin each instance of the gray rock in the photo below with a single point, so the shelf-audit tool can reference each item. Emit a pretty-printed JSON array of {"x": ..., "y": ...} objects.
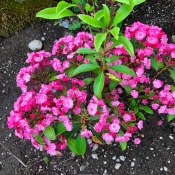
[
  {"x": 35, "y": 45},
  {"x": 117, "y": 166},
  {"x": 173, "y": 38},
  {"x": 65, "y": 23}
]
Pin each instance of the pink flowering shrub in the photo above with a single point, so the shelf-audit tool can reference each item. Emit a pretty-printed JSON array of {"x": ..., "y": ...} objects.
[{"x": 57, "y": 110}]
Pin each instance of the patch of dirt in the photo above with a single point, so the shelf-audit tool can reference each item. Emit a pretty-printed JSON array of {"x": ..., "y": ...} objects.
[{"x": 156, "y": 153}]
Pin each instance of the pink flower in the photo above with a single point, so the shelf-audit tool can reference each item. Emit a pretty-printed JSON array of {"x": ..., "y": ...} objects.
[
  {"x": 173, "y": 54},
  {"x": 86, "y": 133},
  {"x": 137, "y": 141},
  {"x": 157, "y": 83},
  {"x": 51, "y": 149},
  {"x": 107, "y": 137},
  {"x": 140, "y": 35},
  {"x": 92, "y": 108},
  {"x": 114, "y": 127},
  {"x": 155, "y": 106},
  {"x": 151, "y": 40},
  {"x": 134, "y": 93},
  {"x": 162, "y": 110},
  {"x": 127, "y": 117},
  {"x": 140, "y": 124},
  {"x": 160, "y": 122},
  {"x": 68, "y": 103}
]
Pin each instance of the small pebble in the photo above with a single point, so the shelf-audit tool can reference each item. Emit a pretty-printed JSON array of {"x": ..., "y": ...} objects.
[
  {"x": 132, "y": 164},
  {"x": 95, "y": 156},
  {"x": 105, "y": 171},
  {"x": 122, "y": 158},
  {"x": 117, "y": 166},
  {"x": 95, "y": 147},
  {"x": 105, "y": 162},
  {"x": 65, "y": 23},
  {"x": 173, "y": 38},
  {"x": 165, "y": 168},
  {"x": 169, "y": 161},
  {"x": 42, "y": 38},
  {"x": 82, "y": 167},
  {"x": 161, "y": 169},
  {"x": 171, "y": 137},
  {"x": 160, "y": 138},
  {"x": 89, "y": 141},
  {"x": 118, "y": 160},
  {"x": 35, "y": 45},
  {"x": 114, "y": 157},
  {"x": 151, "y": 149}
]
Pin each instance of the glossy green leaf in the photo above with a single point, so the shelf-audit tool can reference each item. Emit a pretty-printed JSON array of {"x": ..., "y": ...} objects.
[
  {"x": 172, "y": 74},
  {"x": 123, "y": 145},
  {"x": 99, "y": 15},
  {"x": 99, "y": 85},
  {"x": 84, "y": 68},
  {"x": 89, "y": 80},
  {"x": 146, "y": 109},
  {"x": 80, "y": 145},
  {"x": 62, "y": 6},
  {"x": 123, "y": 12},
  {"x": 112, "y": 58},
  {"x": 88, "y": 8},
  {"x": 49, "y": 132},
  {"x": 71, "y": 145},
  {"x": 90, "y": 20},
  {"x": 136, "y": 109},
  {"x": 107, "y": 16},
  {"x": 60, "y": 128},
  {"x": 65, "y": 13},
  {"x": 123, "y": 69},
  {"x": 70, "y": 71},
  {"x": 85, "y": 51},
  {"x": 128, "y": 89},
  {"x": 92, "y": 118},
  {"x": 124, "y": 1},
  {"x": 47, "y": 13},
  {"x": 115, "y": 32},
  {"x": 140, "y": 115},
  {"x": 99, "y": 39},
  {"x": 126, "y": 43},
  {"x": 155, "y": 63},
  {"x": 39, "y": 139},
  {"x": 170, "y": 117},
  {"x": 46, "y": 160},
  {"x": 137, "y": 2},
  {"x": 112, "y": 85}
]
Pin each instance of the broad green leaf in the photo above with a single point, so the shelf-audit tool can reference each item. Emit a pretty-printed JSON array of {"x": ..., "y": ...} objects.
[
  {"x": 107, "y": 16},
  {"x": 137, "y": 2},
  {"x": 84, "y": 68},
  {"x": 99, "y": 85},
  {"x": 126, "y": 43},
  {"x": 99, "y": 15},
  {"x": 62, "y": 6},
  {"x": 155, "y": 63},
  {"x": 136, "y": 109},
  {"x": 146, "y": 109},
  {"x": 133, "y": 103},
  {"x": 99, "y": 39},
  {"x": 80, "y": 145},
  {"x": 49, "y": 132},
  {"x": 71, "y": 145},
  {"x": 70, "y": 71},
  {"x": 112, "y": 85},
  {"x": 170, "y": 117},
  {"x": 48, "y": 13},
  {"x": 65, "y": 13},
  {"x": 140, "y": 115},
  {"x": 89, "y": 80},
  {"x": 123, "y": 145},
  {"x": 115, "y": 32},
  {"x": 113, "y": 77},
  {"x": 123, "y": 69},
  {"x": 60, "y": 128},
  {"x": 46, "y": 160},
  {"x": 112, "y": 58},
  {"x": 88, "y": 8},
  {"x": 85, "y": 51},
  {"x": 128, "y": 89},
  {"x": 94, "y": 118},
  {"x": 172, "y": 74},
  {"x": 123, "y": 1},
  {"x": 39, "y": 139},
  {"x": 123, "y": 12},
  {"x": 90, "y": 20}
]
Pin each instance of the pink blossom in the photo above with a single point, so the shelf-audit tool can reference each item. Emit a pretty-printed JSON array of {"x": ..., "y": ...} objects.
[
  {"x": 86, "y": 133},
  {"x": 140, "y": 35},
  {"x": 140, "y": 124},
  {"x": 107, "y": 137},
  {"x": 155, "y": 106},
  {"x": 127, "y": 117},
  {"x": 68, "y": 103},
  {"x": 134, "y": 93},
  {"x": 157, "y": 83},
  {"x": 92, "y": 109},
  {"x": 114, "y": 127},
  {"x": 137, "y": 141},
  {"x": 160, "y": 122}
]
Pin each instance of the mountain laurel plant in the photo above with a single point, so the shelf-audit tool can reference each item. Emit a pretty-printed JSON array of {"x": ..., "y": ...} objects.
[{"x": 99, "y": 85}]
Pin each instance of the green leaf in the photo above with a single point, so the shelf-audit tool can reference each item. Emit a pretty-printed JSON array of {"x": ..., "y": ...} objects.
[
  {"x": 172, "y": 74},
  {"x": 115, "y": 32},
  {"x": 123, "y": 69},
  {"x": 70, "y": 71},
  {"x": 65, "y": 13},
  {"x": 123, "y": 145},
  {"x": 48, "y": 13},
  {"x": 128, "y": 89},
  {"x": 80, "y": 145},
  {"x": 133, "y": 104},
  {"x": 126, "y": 43},
  {"x": 46, "y": 160},
  {"x": 62, "y": 6},
  {"x": 99, "y": 85},
  {"x": 107, "y": 16},
  {"x": 99, "y": 15},
  {"x": 123, "y": 1},
  {"x": 137, "y": 2},
  {"x": 89, "y": 80},
  {"x": 98, "y": 135},
  {"x": 76, "y": 126},
  {"x": 155, "y": 63},
  {"x": 85, "y": 51},
  {"x": 113, "y": 77},
  {"x": 84, "y": 68},
  {"x": 88, "y": 8},
  {"x": 123, "y": 12},
  {"x": 39, "y": 139},
  {"x": 99, "y": 39},
  {"x": 170, "y": 117},
  {"x": 112, "y": 58},
  {"x": 136, "y": 109},
  {"x": 71, "y": 145},
  {"x": 112, "y": 85},
  {"x": 90, "y": 20},
  {"x": 140, "y": 115},
  {"x": 92, "y": 118},
  {"x": 49, "y": 132},
  {"x": 60, "y": 128},
  {"x": 146, "y": 109}
]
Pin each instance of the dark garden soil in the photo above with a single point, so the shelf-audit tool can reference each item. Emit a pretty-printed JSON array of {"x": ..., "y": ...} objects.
[{"x": 156, "y": 153}]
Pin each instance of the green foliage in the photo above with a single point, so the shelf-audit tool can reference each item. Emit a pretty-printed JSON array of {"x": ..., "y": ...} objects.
[{"x": 49, "y": 132}]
